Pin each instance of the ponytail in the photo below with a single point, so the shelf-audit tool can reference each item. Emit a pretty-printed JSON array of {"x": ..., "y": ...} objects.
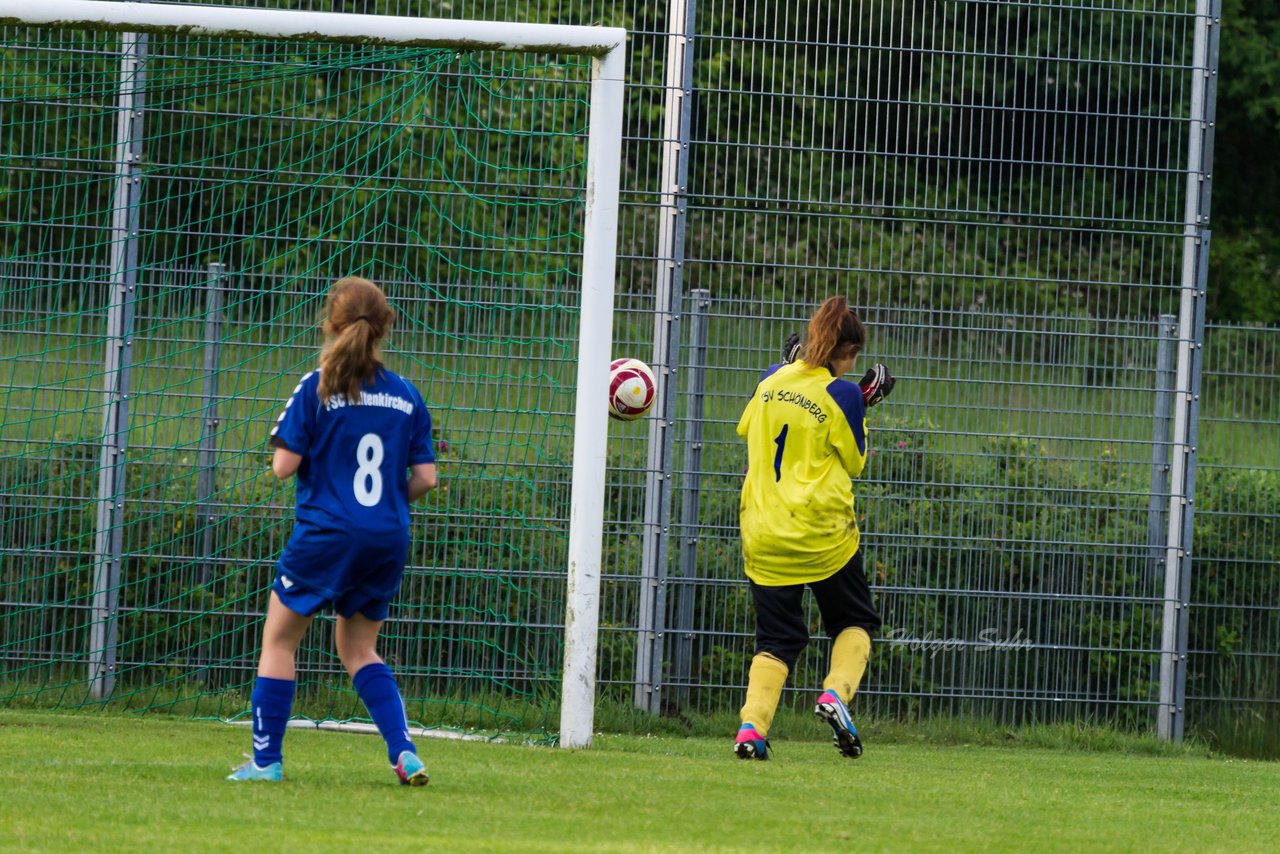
[
  {"x": 357, "y": 318},
  {"x": 835, "y": 332}
]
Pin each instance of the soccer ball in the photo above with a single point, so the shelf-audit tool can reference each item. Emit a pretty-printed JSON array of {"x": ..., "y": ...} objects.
[{"x": 632, "y": 389}]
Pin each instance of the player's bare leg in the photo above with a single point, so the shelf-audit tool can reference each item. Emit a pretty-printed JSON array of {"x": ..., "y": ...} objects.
[{"x": 282, "y": 634}]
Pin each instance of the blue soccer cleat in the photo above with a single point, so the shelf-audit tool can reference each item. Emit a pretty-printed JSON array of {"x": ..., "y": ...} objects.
[
  {"x": 272, "y": 773},
  {"x": 750, "y": 744},
  {"x": 410, "y": 770},
  {"x": 831, "y": 709}
]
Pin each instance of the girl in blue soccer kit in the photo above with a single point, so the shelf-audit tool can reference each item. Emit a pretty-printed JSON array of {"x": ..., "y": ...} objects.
[{"x": 350, "y": 432}]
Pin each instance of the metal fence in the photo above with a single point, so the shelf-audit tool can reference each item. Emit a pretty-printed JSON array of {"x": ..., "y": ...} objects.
[{"x": 1073, "y": 506}]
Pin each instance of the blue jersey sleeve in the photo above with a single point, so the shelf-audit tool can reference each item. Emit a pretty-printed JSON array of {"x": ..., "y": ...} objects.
[
  {"x": 769, "y": 371},
  {"x": 849, "y": 398},
  {"x": 421, "y": 448},
  {"x": 296, "y": 427}
]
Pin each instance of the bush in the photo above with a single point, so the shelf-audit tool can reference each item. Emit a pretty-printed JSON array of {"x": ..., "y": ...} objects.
[{"x": 1011, "y": 538}]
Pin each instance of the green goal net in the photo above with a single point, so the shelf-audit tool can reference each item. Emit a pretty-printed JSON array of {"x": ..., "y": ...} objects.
[{"x": 172, "y": 210}]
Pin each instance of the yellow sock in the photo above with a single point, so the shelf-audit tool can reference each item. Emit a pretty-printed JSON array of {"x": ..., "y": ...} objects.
[
  {"x": 764, "y": 689},
  {"x": 849, "y": 654}
]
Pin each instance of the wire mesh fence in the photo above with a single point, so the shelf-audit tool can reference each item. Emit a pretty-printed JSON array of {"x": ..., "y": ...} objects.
[
  {"x": 1233, "y": 680},
  {"x": 1012, "y": 196}
]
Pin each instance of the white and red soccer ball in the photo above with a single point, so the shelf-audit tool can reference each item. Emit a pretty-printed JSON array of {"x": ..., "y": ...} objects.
[{"x": 632, "y": 389}]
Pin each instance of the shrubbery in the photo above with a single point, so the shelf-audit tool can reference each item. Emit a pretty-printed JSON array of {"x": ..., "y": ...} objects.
[{"x": 1049, "y": 555}]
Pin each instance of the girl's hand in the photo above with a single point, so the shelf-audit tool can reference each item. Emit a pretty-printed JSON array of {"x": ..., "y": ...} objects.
[
  {"x": 422, "y": 479},
  {"x": 876, "y": 384}
]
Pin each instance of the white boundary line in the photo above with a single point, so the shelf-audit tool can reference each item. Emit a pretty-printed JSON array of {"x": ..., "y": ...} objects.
[{"x": 370, "y": 729}]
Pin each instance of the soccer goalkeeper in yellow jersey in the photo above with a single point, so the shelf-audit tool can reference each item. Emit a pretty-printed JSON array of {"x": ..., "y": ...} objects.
[{"x": 806, "y": 438}]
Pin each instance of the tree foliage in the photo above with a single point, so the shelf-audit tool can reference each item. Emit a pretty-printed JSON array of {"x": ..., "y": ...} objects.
[
  {"x": 1245, "y": 257},
  {"x": 1018, "y": 156}
]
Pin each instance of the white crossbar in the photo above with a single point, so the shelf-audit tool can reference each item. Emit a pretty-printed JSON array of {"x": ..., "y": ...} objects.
[{"x": 201, "y": 20}]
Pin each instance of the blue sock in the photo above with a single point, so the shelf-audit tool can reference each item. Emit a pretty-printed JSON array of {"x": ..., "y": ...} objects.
[
  {"x": 272, "y": 701},
  {"x": 377, "y": 689}
]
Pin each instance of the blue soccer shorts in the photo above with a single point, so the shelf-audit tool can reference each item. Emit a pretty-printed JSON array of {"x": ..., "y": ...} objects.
[
  {"x": 349, "y": 572},
  {"x": 308, "y": 602}
]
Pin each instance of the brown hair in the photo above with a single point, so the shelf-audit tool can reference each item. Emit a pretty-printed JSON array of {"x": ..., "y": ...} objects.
[
  {"x": 835, "y": 332},
  {"x": 357, "y": 318}
]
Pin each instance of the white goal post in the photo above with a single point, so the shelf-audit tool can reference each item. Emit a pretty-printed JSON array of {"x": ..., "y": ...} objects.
[{"x": 606, "y": 47}]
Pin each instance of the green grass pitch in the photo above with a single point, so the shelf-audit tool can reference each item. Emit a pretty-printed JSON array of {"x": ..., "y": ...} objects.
[{"x": 117, "y": 783}]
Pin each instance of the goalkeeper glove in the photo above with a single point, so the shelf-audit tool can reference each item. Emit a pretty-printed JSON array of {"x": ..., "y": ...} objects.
[
  {"x": 790, "y": 348},
  {"x": 876, "y": 384}
]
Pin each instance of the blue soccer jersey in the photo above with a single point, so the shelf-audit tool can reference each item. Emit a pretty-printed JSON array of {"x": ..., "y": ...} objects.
[{"x": 353, "y": 489}]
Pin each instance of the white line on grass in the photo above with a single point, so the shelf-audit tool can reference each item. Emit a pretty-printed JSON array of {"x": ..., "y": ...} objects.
[{"x": 370, "y": 729}]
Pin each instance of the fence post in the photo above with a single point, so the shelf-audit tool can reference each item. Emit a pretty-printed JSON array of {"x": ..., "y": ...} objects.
[
  {"x": 1161, "y": 435},
  {"x": 207, "y": 456},
  {"x": 1161, "y": 439},
  {"x": 682, "y": 625},
  {"x": 1189, "y": 489},
  {"x": 117, "y": 366},
  {"x": 668, "y": 292},
  {"x": 1195, "y": 253}
]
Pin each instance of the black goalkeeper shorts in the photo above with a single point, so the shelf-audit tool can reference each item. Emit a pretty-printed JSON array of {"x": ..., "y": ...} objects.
[{"x": 844, "y": 600}]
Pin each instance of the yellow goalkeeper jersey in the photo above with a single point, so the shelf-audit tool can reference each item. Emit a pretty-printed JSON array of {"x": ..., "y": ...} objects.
[{"x": 806, "y": 438}]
